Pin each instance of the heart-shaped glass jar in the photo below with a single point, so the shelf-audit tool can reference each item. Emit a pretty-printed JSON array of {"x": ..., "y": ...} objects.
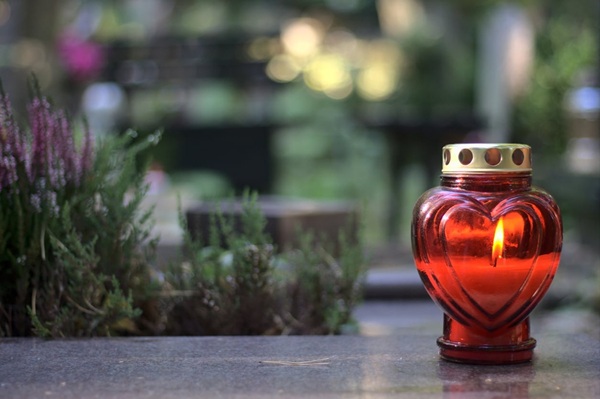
[{"x": 486, "y": 245}]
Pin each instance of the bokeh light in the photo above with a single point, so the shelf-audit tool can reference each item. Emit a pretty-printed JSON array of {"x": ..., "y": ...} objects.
[
  {"x": 283, "y": 68},
  {"x": 328, "y": 73},
  {"x": 379, "y": 76},
  {"x": 5, "y": 12},
  {"x": 302, "y": 37},
  {"x": 377, "y": 82},
  {"x": 28, "y": 53},
  {"x": 263, "y": 48},
  {"x": 332, "y": 62}
]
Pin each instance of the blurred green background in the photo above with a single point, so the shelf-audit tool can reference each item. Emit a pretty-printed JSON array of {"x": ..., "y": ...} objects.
[{"x": 328, "y": 99}]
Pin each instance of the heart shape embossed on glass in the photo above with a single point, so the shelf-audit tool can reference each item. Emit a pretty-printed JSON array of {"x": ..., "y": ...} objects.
[{"x": 494, "y": 263}]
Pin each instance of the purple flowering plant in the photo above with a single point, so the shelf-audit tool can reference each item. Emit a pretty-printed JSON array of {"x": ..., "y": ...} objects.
[{"x": 74, "y": 243}]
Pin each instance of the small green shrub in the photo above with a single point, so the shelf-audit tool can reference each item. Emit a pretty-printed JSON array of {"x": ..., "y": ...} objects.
[
  {"x": 242, "y": 286},
  {"x": 74, "y": 244},
  {"x": 323, "y": 290}
]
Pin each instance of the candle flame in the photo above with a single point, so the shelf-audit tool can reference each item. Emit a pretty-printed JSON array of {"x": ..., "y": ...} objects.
[{"x": 498, "y": 245}]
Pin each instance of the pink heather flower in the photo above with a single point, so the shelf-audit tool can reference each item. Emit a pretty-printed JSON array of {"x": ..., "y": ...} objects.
[
  {"x": 39, "y": 121},
  {"x": 36, "y": 202},
  {"x": 54, "y": 151},
  {"x": 12, "y": 144},
  {"x": 52, "y": 203},
  {"x": 66, "y": 149},
  {"x": 82, "y": 59},
  {"x": 86, "y": 159},
  {"x": 48, "y": 155},
  {"x": 8, "y": 169}
]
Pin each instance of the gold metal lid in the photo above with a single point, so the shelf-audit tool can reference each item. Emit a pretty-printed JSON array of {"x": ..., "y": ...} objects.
[{"x": 486, "y": 158}]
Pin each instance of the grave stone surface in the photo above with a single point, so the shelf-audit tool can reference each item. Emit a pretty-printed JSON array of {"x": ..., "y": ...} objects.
[{"x": 395, "y": 366}]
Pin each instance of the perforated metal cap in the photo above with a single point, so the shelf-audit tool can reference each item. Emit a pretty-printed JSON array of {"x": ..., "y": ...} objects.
[{"x": 486, "y": 158}]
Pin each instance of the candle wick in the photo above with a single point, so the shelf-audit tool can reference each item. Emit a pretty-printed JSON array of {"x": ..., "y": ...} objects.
[{"x": 495, "y": 258}]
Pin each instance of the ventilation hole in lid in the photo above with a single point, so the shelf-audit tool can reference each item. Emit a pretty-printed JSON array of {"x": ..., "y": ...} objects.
[
  {"x": 446, "y": 157},
  {"x": 518, "y": 157},
  {"x": 465, "y": 157},
  {"x": 493, "y": 156}
]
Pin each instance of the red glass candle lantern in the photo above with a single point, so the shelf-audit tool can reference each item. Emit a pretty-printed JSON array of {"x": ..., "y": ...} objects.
[{"x": 486, "y": 245}]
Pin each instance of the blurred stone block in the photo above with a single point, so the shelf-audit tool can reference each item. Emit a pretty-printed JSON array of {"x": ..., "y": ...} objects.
[{"x": 286, "y": 220}]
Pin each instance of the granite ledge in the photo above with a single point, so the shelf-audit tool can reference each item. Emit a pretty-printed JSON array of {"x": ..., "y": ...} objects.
[{"x": 398, "y": 366}]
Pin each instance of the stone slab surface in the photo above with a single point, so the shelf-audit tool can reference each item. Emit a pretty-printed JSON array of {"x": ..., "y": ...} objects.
[{"x": 398, "y": 366}]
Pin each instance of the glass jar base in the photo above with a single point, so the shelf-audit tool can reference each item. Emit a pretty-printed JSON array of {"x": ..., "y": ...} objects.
[{"x": 486, "y": 354}]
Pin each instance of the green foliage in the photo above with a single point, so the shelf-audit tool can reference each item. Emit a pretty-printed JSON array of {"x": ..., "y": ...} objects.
[
  {"x": 112, "y": 213},
  {"x": 241, "y": 286},
  {"x": 75, "y": 248},
  {"x": 540, "y": 116},
  {"x": 102, "y": 250},
  {"x": 74, "y": 244},
  {"x": 225, "y": 289},
  {"x": 324, "y": 290}
]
